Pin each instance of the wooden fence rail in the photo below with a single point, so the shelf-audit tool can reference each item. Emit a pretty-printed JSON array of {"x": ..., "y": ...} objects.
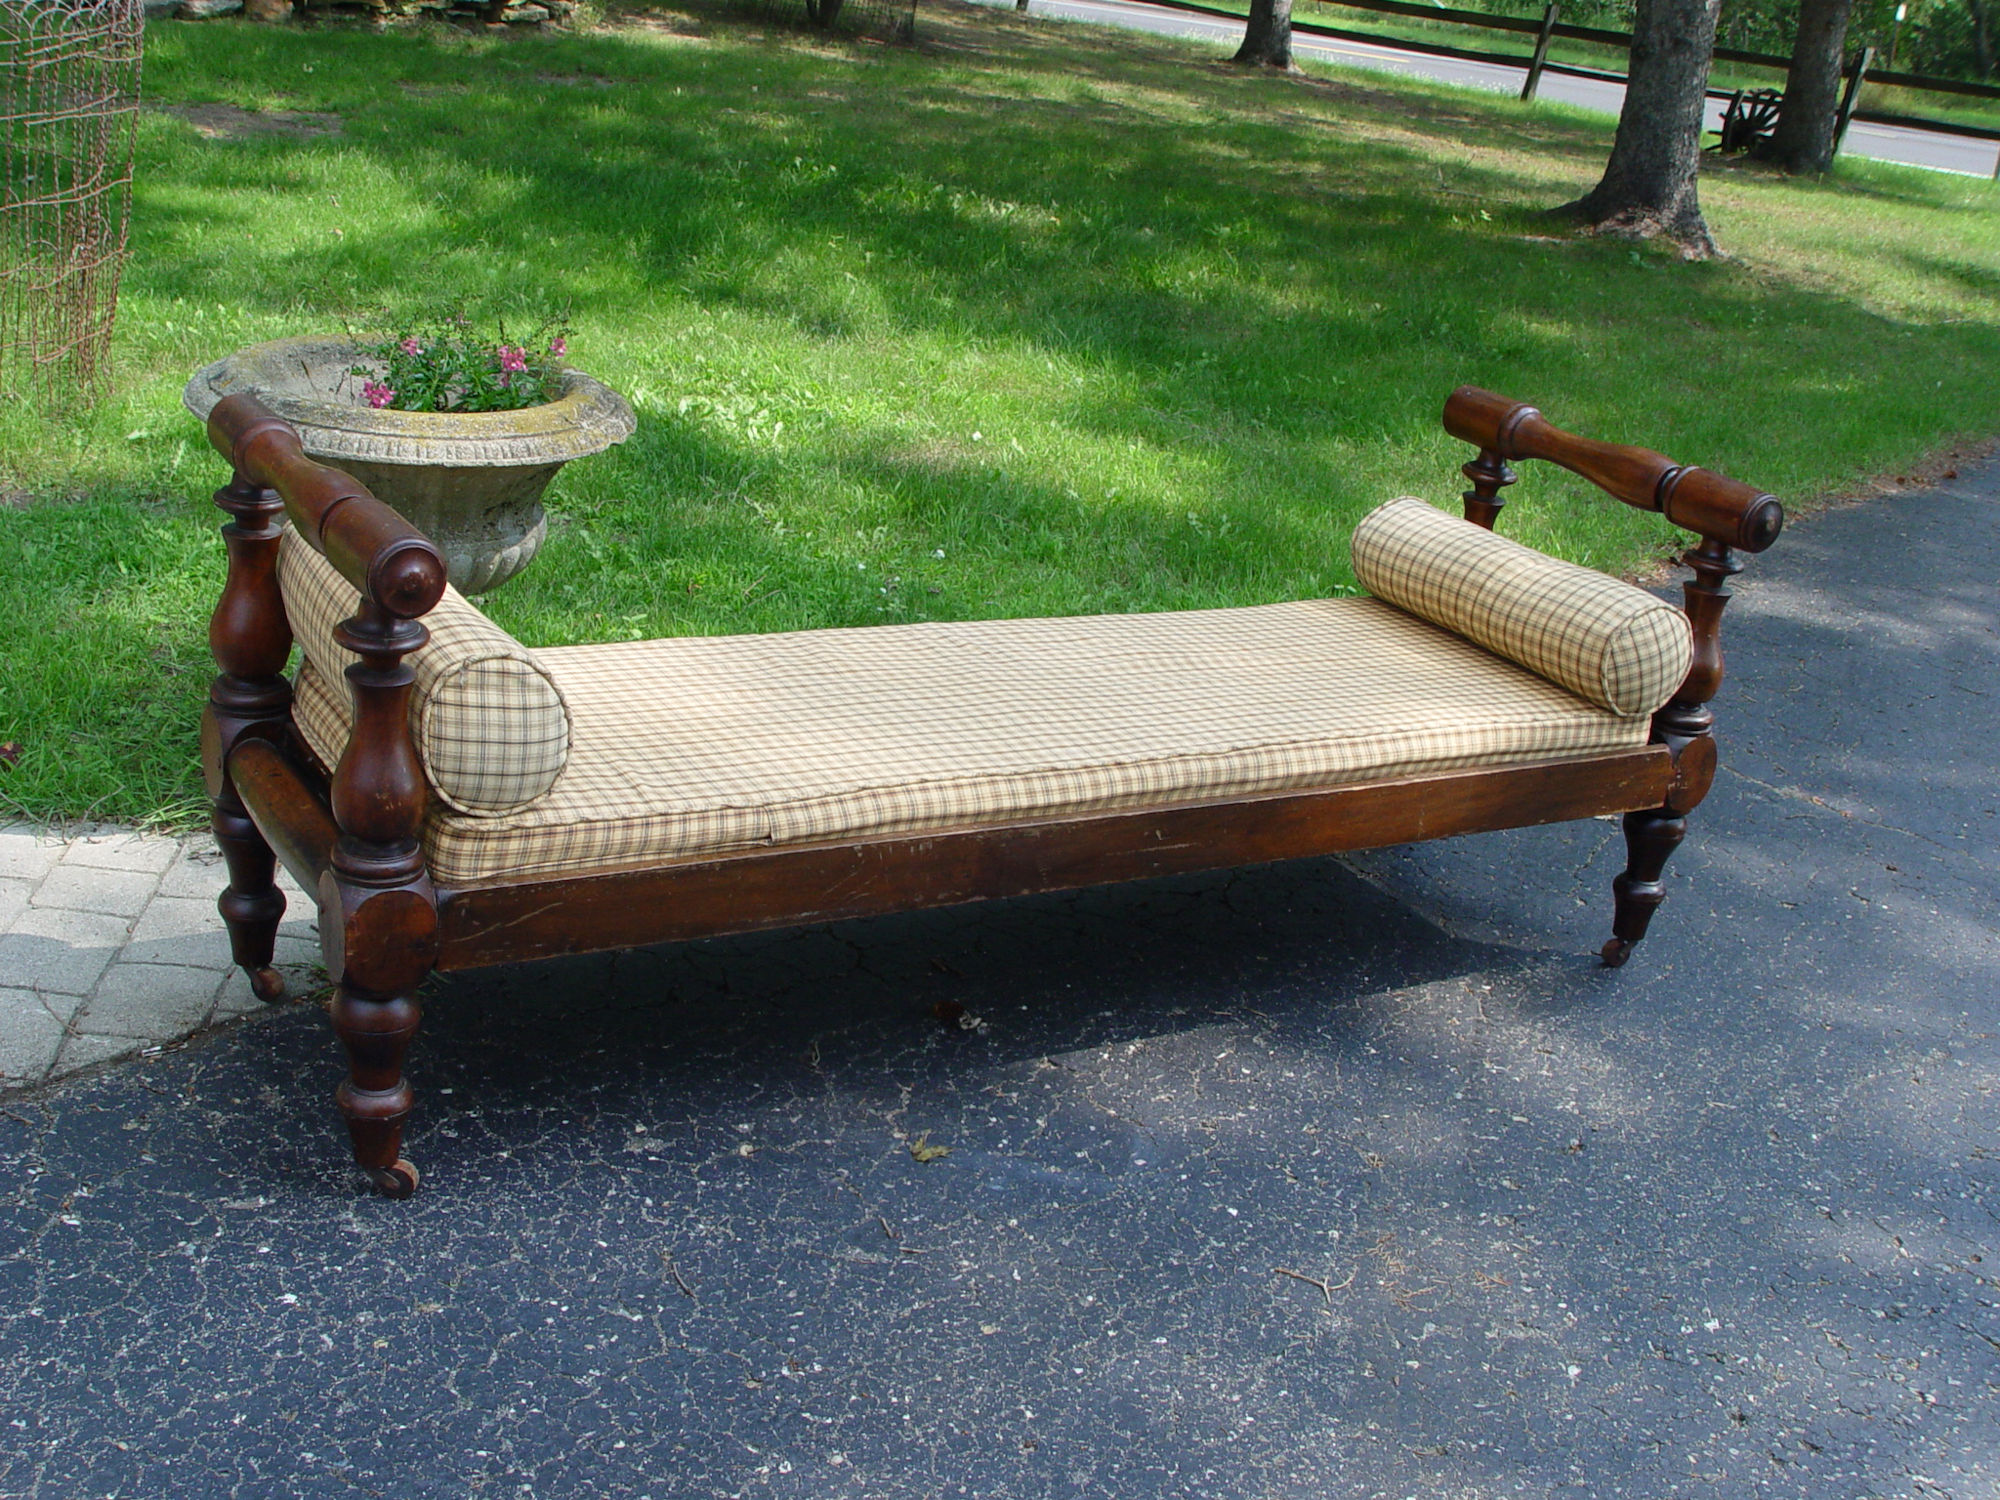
[
  {"x": 1529, "y": 26},
  {"x": 1550, "y": 25}
]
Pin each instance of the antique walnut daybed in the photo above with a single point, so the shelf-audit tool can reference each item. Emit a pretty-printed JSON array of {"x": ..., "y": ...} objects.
[{"x": 487, "y": 803}]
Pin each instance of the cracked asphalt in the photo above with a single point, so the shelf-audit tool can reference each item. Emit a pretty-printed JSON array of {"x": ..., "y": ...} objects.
[{"x": 1326, "y": 1179}]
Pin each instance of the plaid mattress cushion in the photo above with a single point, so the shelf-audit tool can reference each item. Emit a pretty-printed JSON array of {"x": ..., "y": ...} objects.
[
  {"x": 490, "y": 725},
  {"x": 689, "y": 748},
  {"x": 1603, "y": 639}
]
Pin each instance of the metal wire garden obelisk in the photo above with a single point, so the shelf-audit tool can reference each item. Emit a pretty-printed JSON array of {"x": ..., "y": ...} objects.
[{"x": 69, "y": 102}]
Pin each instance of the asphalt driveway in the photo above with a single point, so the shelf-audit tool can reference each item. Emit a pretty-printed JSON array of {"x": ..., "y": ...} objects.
[{"x": 1315, "y": 1180}]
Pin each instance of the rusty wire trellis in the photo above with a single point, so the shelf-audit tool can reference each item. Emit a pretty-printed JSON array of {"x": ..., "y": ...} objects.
[{"x": 69, "y": 104}]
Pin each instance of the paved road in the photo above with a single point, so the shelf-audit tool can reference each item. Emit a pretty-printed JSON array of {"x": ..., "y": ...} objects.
[
  {"x": 1326, "y": 1179},
  {"x": 1920, "y": 148}
]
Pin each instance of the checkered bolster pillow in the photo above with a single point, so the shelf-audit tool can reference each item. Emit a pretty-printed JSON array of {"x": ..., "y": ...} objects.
[
  {"x": 1604, "y": 640},
  {"x": 491, "y": 727}
]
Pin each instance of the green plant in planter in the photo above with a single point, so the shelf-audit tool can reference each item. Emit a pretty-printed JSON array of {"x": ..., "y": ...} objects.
[{"x": 447, "y": 368}]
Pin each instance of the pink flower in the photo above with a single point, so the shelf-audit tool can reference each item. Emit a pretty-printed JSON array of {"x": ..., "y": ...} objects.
[
  {"x": 558, "y": 346},
  {"x": 377, "y": 394},
  {"x": 512, "y": 358},
  {"x": 411, "y": 347},
  {"x": 506, "y": 380}
]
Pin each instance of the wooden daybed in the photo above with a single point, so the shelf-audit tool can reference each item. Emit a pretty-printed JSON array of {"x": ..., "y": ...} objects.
[{"x": 468, "y": 802}]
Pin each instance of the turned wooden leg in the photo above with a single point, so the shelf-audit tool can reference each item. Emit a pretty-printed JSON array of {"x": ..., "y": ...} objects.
[
  {"x": 1650, "y": 837},
  {"x": 251, "y": 641},
  {"x": 252, "y": 906},
  {"x": 376, "y": 1098},
  {"x": 378, "y": 912}
]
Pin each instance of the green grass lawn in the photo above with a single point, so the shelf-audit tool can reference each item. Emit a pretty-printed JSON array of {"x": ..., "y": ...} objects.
[{"x": 1029, "y": 319}]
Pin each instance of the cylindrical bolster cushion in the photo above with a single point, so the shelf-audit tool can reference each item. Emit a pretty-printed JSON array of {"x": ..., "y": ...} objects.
[
  {"x": 490, "y": 725},
  {"x": 1604, "y": 640}
]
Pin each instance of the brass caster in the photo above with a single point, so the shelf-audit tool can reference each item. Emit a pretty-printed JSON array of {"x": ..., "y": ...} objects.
[
  {"x": 267, "y": 984},
  {"x": 396, "y": 1181},
  {"x": 1615, "y": 952}
]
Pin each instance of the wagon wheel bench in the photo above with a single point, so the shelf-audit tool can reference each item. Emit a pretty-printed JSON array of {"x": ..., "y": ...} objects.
[{"x": 464, "y": 801}]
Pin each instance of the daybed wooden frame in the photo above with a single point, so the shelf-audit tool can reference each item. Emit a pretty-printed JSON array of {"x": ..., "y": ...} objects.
[{"x": 384, "y": 924}]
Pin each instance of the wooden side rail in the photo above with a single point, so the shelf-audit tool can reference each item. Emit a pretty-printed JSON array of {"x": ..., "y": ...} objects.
[
  {"x": 1712, "y": 506},
  {"x": 782, "y": 887},
  {"x": 288, "y": 804}
]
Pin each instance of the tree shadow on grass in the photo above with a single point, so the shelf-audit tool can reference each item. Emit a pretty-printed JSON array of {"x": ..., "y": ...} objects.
[
  {"x": 1176, "y": 239},
  {"x": 1269, "y": 281},
  {"x": 1262, "y": 288}
]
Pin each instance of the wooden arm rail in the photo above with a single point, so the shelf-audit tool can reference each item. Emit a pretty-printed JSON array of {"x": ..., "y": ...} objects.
[
  {"x": 1712, "y": 506},
  {"x": 393, "y": 564},
  {"x": 353, "y": 838}
]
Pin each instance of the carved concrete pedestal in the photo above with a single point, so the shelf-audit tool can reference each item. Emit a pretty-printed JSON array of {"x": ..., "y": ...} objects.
[{"x": 470, "y": 481}]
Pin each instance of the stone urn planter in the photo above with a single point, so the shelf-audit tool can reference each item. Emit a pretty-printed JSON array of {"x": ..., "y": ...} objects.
[{"x": 470, "y": 481}]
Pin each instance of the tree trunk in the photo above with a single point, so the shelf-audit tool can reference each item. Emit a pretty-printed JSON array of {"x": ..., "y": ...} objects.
[
  {"x": 1982, "y": 38},
  {"x": 1267, "y": 40},
  {"x": 1648, "y": 188},
  {"x": 1803, "y": 141}
]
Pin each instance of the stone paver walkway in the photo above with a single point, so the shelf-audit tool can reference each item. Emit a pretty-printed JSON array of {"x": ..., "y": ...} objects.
[{"x": 110, "y": 944}]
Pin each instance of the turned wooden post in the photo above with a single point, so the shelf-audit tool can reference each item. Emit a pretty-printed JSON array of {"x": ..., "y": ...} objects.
[
  {"x": 378, "y": 925},
  {"x": 378, "y": 912},
  {"x": 251, "y": 640},
  {"x": 1725, "y": 514},
  {"x": 1489, "y": 475},
  {"x": 1686, "y": 726}
]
